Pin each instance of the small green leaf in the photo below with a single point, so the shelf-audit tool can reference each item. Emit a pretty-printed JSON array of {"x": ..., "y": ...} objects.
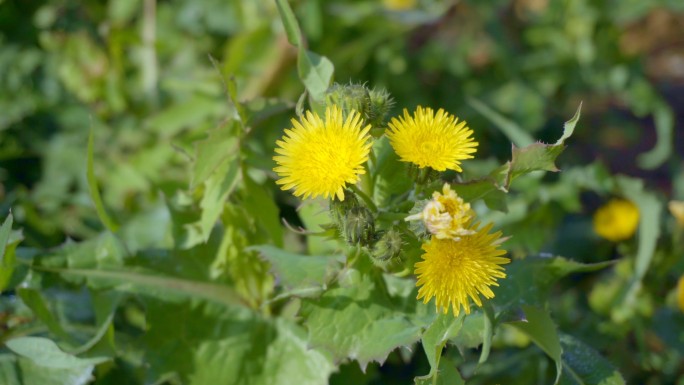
[
  {"x": 664, "y": 123},
  {"x": 8, "y": 258},
  {"x": 487, "y": 333},
  {"x": 514, "y": 132},
  {"x": 292, "y": 30},
  {"x": 540, "y": 328},
  {"x": 261, "y": 205},
  {"x": 5, "y": 231},
  {"x": 220, "y": 146},
  {"x": 218, "y": 188},
  {"x": 356, "y": 320},
  {"x": 296, "y": 271},
  {"x": 46, "y": 353},
  {"x": 316, "y": 73},
  {"x": 36, "y": 303},
  {"x": 94, "y": 191},
  {"x": 582, "y": 365},
  {"x": 443, "y": 328},
  {"x": 569, "y": 126}
]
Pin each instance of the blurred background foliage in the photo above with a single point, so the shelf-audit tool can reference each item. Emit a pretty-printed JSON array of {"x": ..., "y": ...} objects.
[{"x": 154, "y": 79}]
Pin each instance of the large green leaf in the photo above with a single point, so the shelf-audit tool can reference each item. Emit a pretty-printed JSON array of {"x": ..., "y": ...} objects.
[
  {"x": 46, "y": 353},
  {"x": 300, "y": 274},
  {"x": 356, "y": 320},
  {"x": 153, "y": 284},
  {"x": 216, "y": 345},
  {"x": 528, "y": 280},
  {"x": 582, "y": 365}
]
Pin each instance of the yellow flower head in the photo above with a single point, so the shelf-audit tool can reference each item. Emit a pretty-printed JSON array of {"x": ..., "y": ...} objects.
[
  {"x": 446, "y": 215},
  {"x": 451, "y": 271},
  {"x": 428, "y": 140},
  {"x": 617, "y": 220},
  {"x": 677, "y": 211},
  {"x": 319, "y": 157},
  {"x": 680, "y": 293}
]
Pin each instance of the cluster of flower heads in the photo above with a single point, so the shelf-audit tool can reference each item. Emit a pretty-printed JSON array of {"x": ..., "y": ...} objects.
[{"x": 323, "y": 156}]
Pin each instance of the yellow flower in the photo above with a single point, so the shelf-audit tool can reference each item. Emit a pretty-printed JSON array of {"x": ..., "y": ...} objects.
[
  {"x": 428, "y": 140},
  {"x": 446, "y": 215},
  {"x": 677, "y": 211},
  {"x": 319, "y": 157},
  {"x": 617, "y": 220},
  {"x": 451, "y": 271},
  {"x": 399, "y": 5},
  {"x": 680, "y": 293}
]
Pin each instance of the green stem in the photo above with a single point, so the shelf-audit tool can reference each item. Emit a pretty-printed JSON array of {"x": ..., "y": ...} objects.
[{"x": 366, "y": 199}]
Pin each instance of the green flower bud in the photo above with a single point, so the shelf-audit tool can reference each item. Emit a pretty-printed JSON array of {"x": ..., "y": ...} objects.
[
  {"x": 388, "y": 247},
  {"x": 380, "y": 104},
  {"x": 359, "y": 226},
  {"x": 339, "y": 209},
  {"x": 351, "y": 97}
]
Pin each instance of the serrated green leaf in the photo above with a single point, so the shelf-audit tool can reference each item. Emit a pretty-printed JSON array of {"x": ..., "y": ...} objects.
[
  {"x": 217, "y": 345},
  {"x": 528, "y": 280},
  {"x": 220, "y": 146},
  {"x": 356, "y": 320},
  {"x": 582, "y": 365},
  {"x": 34, "y": 300},
  {"x": 471, "y": 333},
  {"x": 46, "y": 353},
  {"x": 297, "y": 272},
  {"x": 316, "y": 73},
  {"x": 94, "y": 191},
  {"x": 569, "y": 126},
  {"x": 539, "y": 326}
]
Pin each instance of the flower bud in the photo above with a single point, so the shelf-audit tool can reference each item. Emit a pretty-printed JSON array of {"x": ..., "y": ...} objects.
[
  {"x": 388, "y": 247},
  {"x": 380, "y": 104},
  {"x": 351, "y": 97},
  {"x": 358, "y": 226}
]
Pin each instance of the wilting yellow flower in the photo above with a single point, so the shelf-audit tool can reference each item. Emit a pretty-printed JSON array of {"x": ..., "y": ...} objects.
[
  {"x": 680, "y": 293},
  {"x": 617, "y": 220},
  {"x": 452, "y": 271},
  {"x": 428, "y": 140},
  {"x": 677, "y": 211},
  {"x": 319, "y": 157},
  {"x": 399, "y": 5},
  {"x": 446, "y": 215}
]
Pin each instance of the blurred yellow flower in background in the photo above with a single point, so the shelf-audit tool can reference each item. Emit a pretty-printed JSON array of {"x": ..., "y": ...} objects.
[
  {"x": 617, "y": 220},
  {"x": 438, "y": 141},
  {"x": 677, "y": 211},
  {"x": 319, "y": 157},
  {"x": 453, "y": 271},
  {"x": 399, "y": 5},
  {"x": 446, "y": 215}
]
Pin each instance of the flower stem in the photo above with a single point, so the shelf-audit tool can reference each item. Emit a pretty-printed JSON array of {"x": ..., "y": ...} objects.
[{"x": 366, "y": 199}]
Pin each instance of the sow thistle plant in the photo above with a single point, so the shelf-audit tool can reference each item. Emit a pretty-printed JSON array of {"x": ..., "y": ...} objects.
[{"x": 324, "y": 156}]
